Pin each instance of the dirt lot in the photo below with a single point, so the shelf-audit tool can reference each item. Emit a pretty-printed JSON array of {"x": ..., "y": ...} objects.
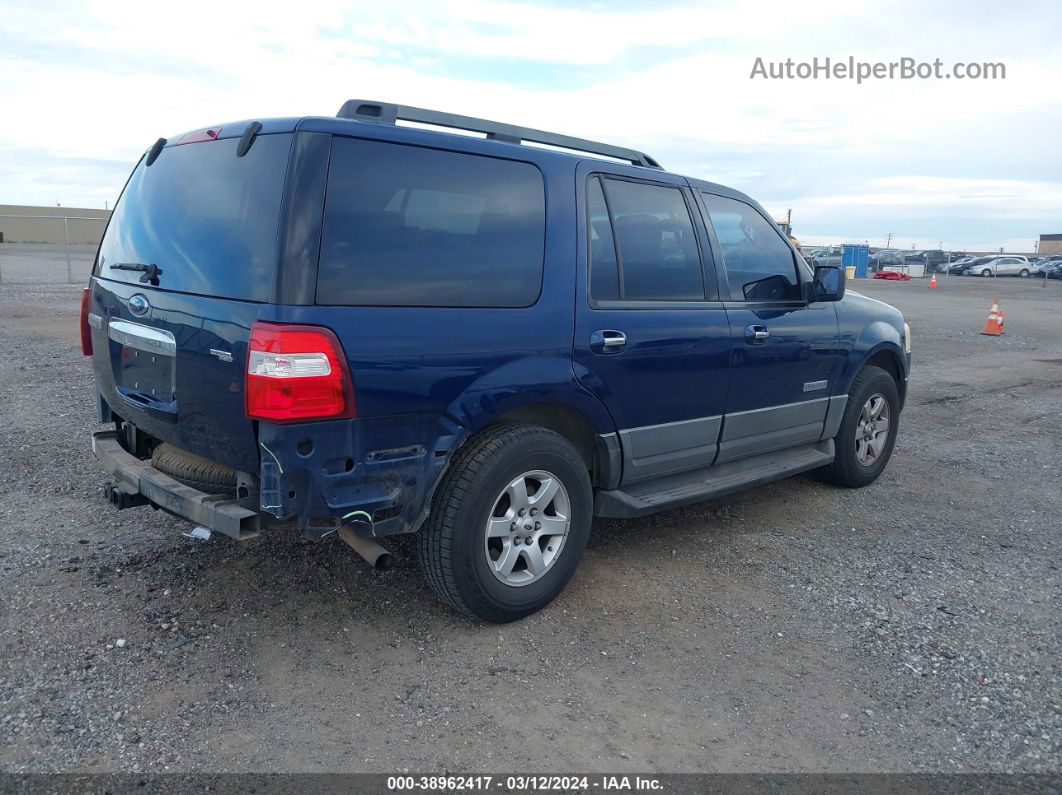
[{"x": 913, "y": 625}]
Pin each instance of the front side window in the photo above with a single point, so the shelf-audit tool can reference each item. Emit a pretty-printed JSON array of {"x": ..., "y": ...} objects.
[
  {"x": 759, "y": 265},
  {"x": 642, "y": 243},
  {"x": 409, "y": 226}
]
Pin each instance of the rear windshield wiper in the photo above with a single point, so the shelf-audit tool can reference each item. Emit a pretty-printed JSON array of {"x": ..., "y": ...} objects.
[{"x": 151, "y": 272}]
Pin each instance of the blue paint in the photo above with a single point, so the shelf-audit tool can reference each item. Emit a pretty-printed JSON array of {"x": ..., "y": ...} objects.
[{"x": 426, "y": 378}]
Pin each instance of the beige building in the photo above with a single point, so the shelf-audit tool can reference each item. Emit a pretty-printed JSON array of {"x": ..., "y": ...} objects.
[
  {"x": 1049, "y": 244},
  {"x": 21, "y": 223}
]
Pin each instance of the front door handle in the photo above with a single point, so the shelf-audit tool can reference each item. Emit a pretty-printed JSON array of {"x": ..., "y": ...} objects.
[
  {"x": 756, "y": 334},
  {"x": 608, "y": 341}
]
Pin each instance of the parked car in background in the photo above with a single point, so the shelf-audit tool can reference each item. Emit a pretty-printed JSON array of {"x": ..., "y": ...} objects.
[
  {"x": 827, "y": 256},
  {"x": 1014, "y": 265},
  {"x": 930, "y": 258},
  {"x": 956, "y": 266},
  {"x": 952, "y": 258},
  {"x": 1051, "y": 270},
  {"x": 889, "y": 256}
]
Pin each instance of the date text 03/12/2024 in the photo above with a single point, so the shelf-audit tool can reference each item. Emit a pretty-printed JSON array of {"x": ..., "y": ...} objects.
[{"x": 524, "y": 783}]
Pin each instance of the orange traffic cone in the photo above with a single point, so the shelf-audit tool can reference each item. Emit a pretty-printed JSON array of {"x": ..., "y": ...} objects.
[
  {"x": 994, "y": 324},
  {"x": 933, "y": 282}
]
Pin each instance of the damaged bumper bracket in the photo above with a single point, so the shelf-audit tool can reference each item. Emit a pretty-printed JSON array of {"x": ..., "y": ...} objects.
[{"x": 137, "y": 477}]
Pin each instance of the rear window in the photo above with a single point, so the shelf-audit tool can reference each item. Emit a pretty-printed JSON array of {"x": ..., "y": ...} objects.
[
  {"x": 408, "y": 226},
  {"x": 206, "y": 218}
]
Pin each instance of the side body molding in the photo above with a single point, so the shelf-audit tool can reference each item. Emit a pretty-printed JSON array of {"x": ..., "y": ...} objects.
[
  {"x": 773, "y": 428},
  {"x": 656, "y": 450}
]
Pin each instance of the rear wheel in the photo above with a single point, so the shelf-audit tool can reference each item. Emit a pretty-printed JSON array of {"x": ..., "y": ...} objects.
[
  {"x": 864, "y": 443},
  {"x": 508, "y": 523}
]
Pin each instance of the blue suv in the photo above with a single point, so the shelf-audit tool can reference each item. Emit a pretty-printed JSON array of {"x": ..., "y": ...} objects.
[{"x": 369, "y": 328}]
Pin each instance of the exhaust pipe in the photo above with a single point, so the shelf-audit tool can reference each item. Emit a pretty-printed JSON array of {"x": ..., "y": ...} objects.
[{"x": 374, "y": 554}]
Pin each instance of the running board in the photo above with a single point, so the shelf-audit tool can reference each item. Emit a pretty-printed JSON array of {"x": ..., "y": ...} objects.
[{"x": 672, "y": 491}]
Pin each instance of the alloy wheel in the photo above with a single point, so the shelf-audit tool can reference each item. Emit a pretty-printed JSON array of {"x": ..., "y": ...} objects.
[
  {"x": 527, "y": 528},
  {"x": 872, "y": 429}
]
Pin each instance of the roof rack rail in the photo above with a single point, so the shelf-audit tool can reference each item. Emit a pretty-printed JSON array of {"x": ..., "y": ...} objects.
[{"x": 390, "y": 113}]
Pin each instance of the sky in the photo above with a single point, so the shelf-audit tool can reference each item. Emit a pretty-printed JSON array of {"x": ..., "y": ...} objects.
[{"x": 967, "y": 164}]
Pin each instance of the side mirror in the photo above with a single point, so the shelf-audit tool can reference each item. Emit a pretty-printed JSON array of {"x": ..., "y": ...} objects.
[{"x": 828, "y": 284}]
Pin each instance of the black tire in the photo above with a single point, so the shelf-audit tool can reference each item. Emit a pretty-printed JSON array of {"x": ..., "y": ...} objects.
[
  {"x": 194, "y": 470},
  {"x": 846, "y": 470},
  {"x": 451, "y": 544},
  {"x": 1024, "y": 273}
]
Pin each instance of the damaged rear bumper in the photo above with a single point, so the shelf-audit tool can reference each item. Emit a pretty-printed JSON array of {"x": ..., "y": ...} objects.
[{"x": 136, "y": 482}]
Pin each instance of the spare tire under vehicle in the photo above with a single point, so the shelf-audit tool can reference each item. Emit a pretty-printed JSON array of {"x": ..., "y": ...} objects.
[{"x": 194, "y": 470}]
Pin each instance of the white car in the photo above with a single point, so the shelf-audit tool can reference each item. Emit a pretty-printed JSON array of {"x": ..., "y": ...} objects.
[{"x": 1014, "y": 265}]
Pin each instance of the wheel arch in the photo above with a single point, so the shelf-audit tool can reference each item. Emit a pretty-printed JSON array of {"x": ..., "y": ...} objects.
[
  {"x": 889, "y": 359},
  {"x": 543, "y": 391},
  {"x": 575, "y": 426}
]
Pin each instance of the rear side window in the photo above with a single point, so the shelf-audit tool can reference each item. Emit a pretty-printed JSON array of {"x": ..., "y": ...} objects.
[
  {"x": 642, "y": 243},
  {"x": 604, "y": 272},
  {"x": 759, "y": 265},
  {"x": 409, "y": 226}
]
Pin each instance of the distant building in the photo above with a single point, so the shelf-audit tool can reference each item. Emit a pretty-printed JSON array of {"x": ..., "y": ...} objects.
[
  {"x": 46, "y": 224},
  {"x": 1049, "y": 244}
]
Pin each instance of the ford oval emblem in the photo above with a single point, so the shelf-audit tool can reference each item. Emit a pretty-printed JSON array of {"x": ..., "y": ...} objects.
[{"x": 139, "y": 305}]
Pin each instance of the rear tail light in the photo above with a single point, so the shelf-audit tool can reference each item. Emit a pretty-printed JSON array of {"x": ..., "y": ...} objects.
[
  {"x": 86, "y": 330},
  {"x": 297, "y": 374}
]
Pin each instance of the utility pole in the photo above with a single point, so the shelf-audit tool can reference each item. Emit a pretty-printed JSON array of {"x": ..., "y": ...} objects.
[{"x": 889, "y": 241}]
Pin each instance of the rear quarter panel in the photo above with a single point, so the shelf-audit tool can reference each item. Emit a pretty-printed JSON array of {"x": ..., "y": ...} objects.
[{"x": 425, "y": 378}]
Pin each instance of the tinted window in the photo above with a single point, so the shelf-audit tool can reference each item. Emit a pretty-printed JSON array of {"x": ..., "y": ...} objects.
[
  {"x": 604, "y": 270},
  {"x": 658, "y": 255},
  {"x": 207, "y": 218},
  {"x": 408, "y": 226},
  {"x": 759, "y": 265}
]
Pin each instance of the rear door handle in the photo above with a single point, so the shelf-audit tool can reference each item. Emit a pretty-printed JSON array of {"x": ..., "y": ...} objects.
[
  {"x": 608, "y": 341},
  {"x": 756, "y": 334}
]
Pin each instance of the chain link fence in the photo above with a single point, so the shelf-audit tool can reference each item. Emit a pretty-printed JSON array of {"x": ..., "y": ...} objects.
[{"x": 49, "y": 248}]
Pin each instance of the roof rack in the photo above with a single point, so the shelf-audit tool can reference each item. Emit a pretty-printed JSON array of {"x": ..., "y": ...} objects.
[{"x": 390, "y": 113}]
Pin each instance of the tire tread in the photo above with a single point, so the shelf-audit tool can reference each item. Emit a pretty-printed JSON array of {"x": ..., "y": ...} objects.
[
  {"x": 436, "y": 537},
  {"x": 194, "y": 470},
  {"x": 836, "y": 472}
]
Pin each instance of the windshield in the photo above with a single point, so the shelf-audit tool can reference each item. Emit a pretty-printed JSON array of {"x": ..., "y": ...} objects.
[{"x": 204, "y": 217}]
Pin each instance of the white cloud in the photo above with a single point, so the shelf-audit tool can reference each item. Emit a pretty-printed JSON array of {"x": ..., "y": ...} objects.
[
  {"x": 100, "y": 82},
  {"x": 996, "y": 198}
]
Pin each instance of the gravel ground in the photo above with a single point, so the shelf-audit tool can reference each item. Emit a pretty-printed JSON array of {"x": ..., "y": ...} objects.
[{"x": 910, "y": 626}]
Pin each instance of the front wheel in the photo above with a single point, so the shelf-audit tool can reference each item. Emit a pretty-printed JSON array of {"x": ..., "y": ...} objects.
[
  {"x": 508, "y": 523},
  {"x": 864, "y": 443},
  {"x": 1024, "y": 273},
  {"x": 986, "y": 272}
]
